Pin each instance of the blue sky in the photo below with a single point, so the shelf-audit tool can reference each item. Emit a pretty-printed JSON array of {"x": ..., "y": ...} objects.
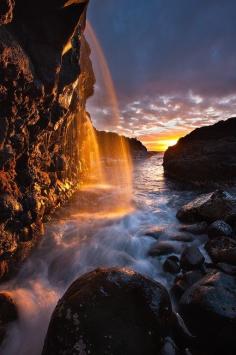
[{"x": 173, "y": 63}]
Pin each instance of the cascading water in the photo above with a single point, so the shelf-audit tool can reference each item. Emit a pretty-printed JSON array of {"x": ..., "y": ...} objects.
[{"x": 107, "y": 164}]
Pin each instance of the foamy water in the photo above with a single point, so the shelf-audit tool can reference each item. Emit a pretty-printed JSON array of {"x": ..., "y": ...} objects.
[{"x": 77, "y": 242}]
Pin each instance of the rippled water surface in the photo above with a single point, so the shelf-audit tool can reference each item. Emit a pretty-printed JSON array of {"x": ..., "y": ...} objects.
[{"x": 78, "y": 240}]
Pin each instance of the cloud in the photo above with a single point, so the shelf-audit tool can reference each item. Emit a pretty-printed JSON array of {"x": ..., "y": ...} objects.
[
  {"x": 167, "y": 45},
  {"x": 173, "y": 64},
  {"x": 158, "y": 114}
]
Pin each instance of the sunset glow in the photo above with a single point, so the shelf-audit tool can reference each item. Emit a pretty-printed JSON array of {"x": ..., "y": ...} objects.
[
  {"x": 161, "y": 145},
  {"x": 159, "y": 142}
]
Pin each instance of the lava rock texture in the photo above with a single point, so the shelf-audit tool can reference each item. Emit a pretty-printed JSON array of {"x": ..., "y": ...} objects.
[
  {"x": 205, "y": 156},
  {"x": 110, "y": 311},
  {"x": 45, "y": 78}
]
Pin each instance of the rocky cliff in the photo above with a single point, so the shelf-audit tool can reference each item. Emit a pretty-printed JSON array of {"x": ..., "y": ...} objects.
[
  {"x": 45, "y": 79},
  {"x": 108, "y": 143},
  {"x": 205, "y": 156}
]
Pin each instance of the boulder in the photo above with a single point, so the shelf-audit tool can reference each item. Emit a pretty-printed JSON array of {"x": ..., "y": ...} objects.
[
  {"x": 183, "y": 237},
  {"x": 196, "y": 229},
  {"x": 206, "y": 156},
  {"x": 110, "y": 311},
  {"x": 185, "y": 281},
  {"x": 191, "y": 258},
  {"x": 161, "y": 248},
  {"x": 222, "y": 250},
  {"x": 217, "y": 205},
  {"x": 154, "y": 232},
  {"x": 171, "y": 265},
  {"x": 218, "y": 229},
  {"x": 209, "y": 310}
]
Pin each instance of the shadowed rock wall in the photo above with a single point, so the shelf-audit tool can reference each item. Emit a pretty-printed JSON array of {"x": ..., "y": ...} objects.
[
  {"x": 45, "y": 79},
  {"x": 206, "y": 156}
]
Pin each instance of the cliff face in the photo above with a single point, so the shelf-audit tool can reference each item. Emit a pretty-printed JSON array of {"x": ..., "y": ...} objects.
[
  {"x": 205, "y": 156},
  {"x": 107, "y": 144},
  {"x": 45, "y": 79}
]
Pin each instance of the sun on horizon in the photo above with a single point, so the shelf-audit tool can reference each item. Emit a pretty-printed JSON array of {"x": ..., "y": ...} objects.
[{"x": 160, "y": 144}]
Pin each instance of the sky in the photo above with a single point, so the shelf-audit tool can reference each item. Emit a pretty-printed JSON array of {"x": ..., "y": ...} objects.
[{"x": 173, "y": 64}]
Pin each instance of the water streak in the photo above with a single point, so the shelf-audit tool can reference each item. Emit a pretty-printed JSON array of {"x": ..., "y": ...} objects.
[{"x": 117, "y": 169}]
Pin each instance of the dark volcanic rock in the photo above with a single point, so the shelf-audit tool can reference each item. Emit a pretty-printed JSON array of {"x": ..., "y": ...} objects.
[
  {"x": 185, "y": 281},
  {"x": 171, "y": 265},
  {"x": 209, "y": 309},
  {"x": 108, "y": 143},
  {"x": 163, "y": 248},
  {"x": 184, "y": 237},
  {"x": 8, "y": 313},
  {"x": 110, "y": 311},
  {"x": 191, "y": 258},
  {"x": 206, "y": 155},
  {"x": 218, "y": 205},
  {"x": 196, "y": 229},
  {"x": 222, "y": 250},
  {"x": 6, "y": 11},
  {"x": 154, "y": 232},
  {"x": 218, "y": 229},
  {"x": 42, "y": 105}
]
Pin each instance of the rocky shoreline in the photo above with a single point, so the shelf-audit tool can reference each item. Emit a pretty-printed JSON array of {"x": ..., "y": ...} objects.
[
  {"x": 45, "y": 79},
  {"x": 107, "y": 308}
]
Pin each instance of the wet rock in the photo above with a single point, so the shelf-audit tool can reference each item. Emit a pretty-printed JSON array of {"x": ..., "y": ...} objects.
[
  {"x": 169, "y": 348},
  {"x": 227, "y": 268},
  {"x": 171, "y": 265},
  {"x": 8, "y": 243},
  {"x": 163, "y": 248},
  {"x": 105, "y": 310},
  {"x": 222, "y": 250},
  {"x": 38, "y": 119},
  {"x": 209, "y": 309},
  {"x": 185, "y": 281},
  {"x": 185, "y": 238},
  {"x": 196, "y": 229},
  {"x": 191, "y": 258},
  {"x": 6, "y": 11},
  {"x": 154, "y": 232},
  {"x": 9, "y": 206},
  {"x": 219, "y": 229},
  {"x": 8, "y": 313},
  {"x": 218, "y": 205}
]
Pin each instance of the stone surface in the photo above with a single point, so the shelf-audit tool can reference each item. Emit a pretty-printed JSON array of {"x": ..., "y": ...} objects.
[
  {"x": 110, "y": 311},
  {"x": 171, "y": 265},
  {"x": 6, "y": 11},
  {"x": 191, "y": 258},
  {"x": 39, "y": 113},
  {"x": 205, "y": 156},
  {"x": 161, "y": 248},
  {"x": 185, "y": 281},
  {"x": 217, "y": 205},
  {"x": 222, "y": 250},
  {"x": 218, "y": 229},
  {"x": 209, "y": 309},
  {"x": 107, "y": 142},
  {"x": 196, "y": 229}
]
